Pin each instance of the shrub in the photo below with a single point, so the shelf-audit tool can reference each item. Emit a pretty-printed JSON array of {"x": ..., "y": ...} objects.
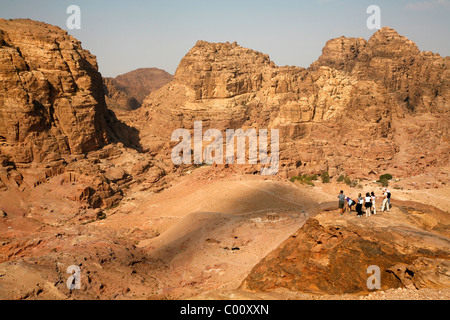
[
  {"x": 304, "y": 179},
  {"x": 347, "y": 181},
  {"x": 384, "y": 182},
  {"x": 101, "y": 215},
  {"x": 325, "y": 177},
  {"x": 340, "y": 178},
  {"x": 386, "y": 176},
  {"x": 352, "y": 183}
]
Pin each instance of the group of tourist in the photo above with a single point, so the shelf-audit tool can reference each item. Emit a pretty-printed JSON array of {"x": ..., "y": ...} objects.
[{"x": 369, "y": 203}]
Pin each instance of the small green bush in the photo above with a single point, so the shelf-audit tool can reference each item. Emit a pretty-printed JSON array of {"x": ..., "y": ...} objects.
[
  {"x": 304, "y": 179},
  {"x": 386, "y": 176},
  {"x": 384, "y": 182},
  {"x": 347, "y": 181},
  {"x": 325, "y": 177},
  {"x": 101, "y": 216}
]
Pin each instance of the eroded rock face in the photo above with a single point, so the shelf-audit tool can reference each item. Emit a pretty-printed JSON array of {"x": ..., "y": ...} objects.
[
  {"x": 335, "y": 259},
  {"x": 365, "y": 107},
  {"x": 221, "y": 70},
  {"x": 53, "y": 116},
  {"x": 117, "y": 97},
  {"x": 128, "y": 91},
  {"x": 51, "y": 96},
  {"x": 320, "y": 259}
]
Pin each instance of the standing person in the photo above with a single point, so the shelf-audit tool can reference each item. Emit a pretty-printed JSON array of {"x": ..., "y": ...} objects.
[
  {"x": 341, "y": 197},
  {"x": 368, "y": 204},
  {"x": 385, "y": 201},
  {"x": 389, "y": 199},
  {"x": 359, "y": 205},
  {"x": 374, "y": 206}
]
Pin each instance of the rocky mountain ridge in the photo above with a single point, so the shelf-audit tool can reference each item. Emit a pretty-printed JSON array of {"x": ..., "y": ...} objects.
[
  {"x": 363, "y": 108},
  {"x": 128, "y": 91}
]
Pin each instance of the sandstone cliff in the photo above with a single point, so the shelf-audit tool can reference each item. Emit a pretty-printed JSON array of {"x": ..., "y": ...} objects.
[
  {"x": 51, "y": 97},
  {"x": 53, "y": 116},
  {"x": 363, "y": 108}
]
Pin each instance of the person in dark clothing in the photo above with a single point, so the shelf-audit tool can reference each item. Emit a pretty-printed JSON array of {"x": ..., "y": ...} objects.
[
  {"x": 359, "y": 204},
  {"x": 341, "y": 197}
]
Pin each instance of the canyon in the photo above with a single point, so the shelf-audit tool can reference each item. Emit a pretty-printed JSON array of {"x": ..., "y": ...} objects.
[{"x": 87, "y": 177}]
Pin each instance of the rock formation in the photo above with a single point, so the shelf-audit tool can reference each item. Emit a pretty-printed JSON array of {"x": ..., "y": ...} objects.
[
  {"x": 363, "y": 108},
  {"x": 53, "y": 116},
  {"x": 128, "y": 91},
  {"x": 51, "y": 97},
  {"x": 333, "y": 257},
  {"x": 116, "y": 97}
]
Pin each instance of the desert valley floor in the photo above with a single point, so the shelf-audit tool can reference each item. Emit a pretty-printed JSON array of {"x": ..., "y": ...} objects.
[{"x": 201, "y": 238}]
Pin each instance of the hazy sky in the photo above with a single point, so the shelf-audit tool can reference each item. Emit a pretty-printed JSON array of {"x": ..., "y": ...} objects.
[{"x": 126, "y": 35}]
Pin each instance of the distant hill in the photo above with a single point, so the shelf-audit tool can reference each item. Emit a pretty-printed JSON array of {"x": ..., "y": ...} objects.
[{"x": 128, "y": 91}]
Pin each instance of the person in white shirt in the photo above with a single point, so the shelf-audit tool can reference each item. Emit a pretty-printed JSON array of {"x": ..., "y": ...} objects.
[
  {"x": 368, "y": 204},
  {"x": 385, "y": 201}
]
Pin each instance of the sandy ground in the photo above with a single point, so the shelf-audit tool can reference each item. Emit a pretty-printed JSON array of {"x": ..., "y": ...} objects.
[
  {"x": 207, "y": 231},
  {"x": 213, "y": 231},
  {"x": 440, "y": 198}
]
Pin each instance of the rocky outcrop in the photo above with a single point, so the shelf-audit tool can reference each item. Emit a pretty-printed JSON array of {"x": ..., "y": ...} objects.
[
  {"x": 116, "y": 97},
  {"x": 53, "y": 116},
  {"x": 51, "y": 97},
  {"x": 331, "y": 257},
  {"x": 363, "y": 108},
  {"x": 221, "y": 70},
  {"x": 216, "y": 83},
  {"x": 128, "y": 91}
]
